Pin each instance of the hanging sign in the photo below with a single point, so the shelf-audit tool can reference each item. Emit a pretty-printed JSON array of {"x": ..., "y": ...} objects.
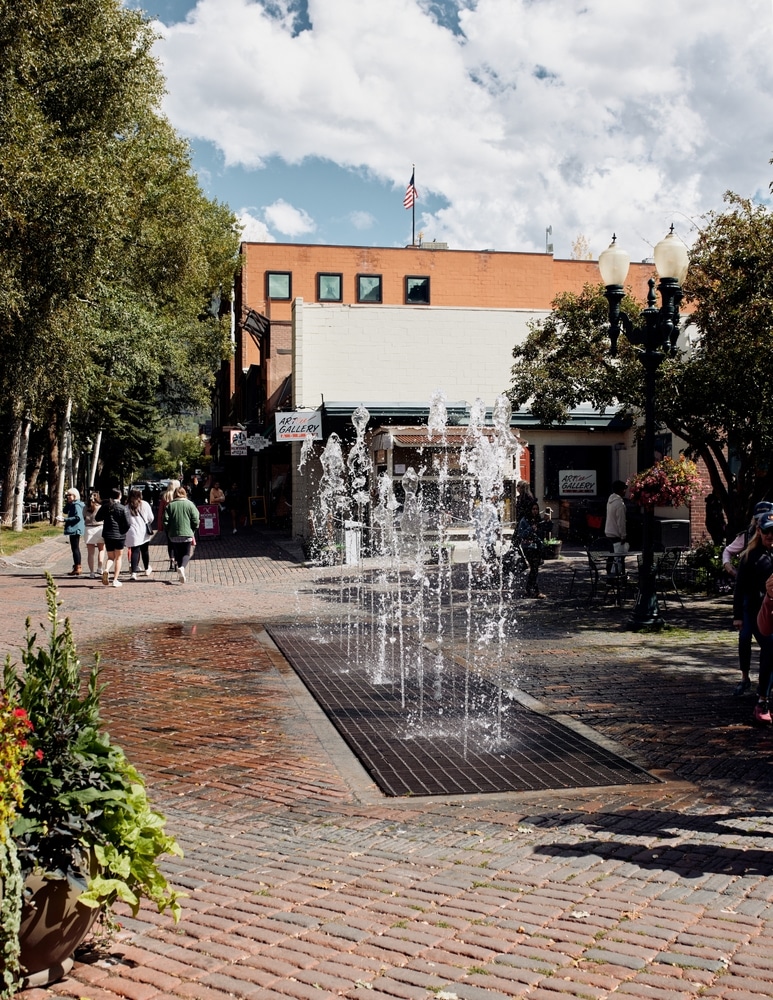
[
  {"x": 238, "y": 442},
  {"x": 295, "y": 426},
  {"x": 258, "y": 442},
  {"x": 577, "y": 483}
]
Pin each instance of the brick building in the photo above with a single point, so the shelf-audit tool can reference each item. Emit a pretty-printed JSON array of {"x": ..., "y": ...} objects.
[{"x": 324, "y": 329}]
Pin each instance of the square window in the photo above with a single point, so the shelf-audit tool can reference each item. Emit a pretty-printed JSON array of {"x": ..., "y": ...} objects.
[
  {"x": 329, "y": 287},
  {"x": 368, "y": 287},
  {"x": 278, "y": 284},
  {"x": 417, "y": 290}
]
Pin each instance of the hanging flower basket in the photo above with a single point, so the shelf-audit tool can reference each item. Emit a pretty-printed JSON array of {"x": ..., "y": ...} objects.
[{"x": 667, "y": 483}]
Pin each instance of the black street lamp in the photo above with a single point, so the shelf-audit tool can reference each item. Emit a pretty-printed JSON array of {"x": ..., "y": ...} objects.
[{"x": 654, "y": 339}]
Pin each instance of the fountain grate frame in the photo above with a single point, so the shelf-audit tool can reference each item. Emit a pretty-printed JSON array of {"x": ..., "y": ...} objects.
[{"x": 419, "y": 751}]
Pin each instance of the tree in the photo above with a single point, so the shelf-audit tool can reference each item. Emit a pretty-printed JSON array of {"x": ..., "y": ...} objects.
[
  {"x": 717, "y": 395},
  {"x": 110, "y": 255}
]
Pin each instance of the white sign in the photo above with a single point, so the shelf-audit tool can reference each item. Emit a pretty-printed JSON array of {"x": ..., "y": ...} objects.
[
  {"x": 295, "y": 426},
  {"x": 577, "y": 483},
  {"x": 238, "y": 442},
  {"x": 257, "y": 442}
]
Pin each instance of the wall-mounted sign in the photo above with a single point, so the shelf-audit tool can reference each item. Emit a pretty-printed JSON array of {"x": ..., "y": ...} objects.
[
  {"x": 295, "y": 426},
  {"x": 577, "y": 483},
  {"x": 257, "y": 442},
  {"x": 238, "y": 442}
]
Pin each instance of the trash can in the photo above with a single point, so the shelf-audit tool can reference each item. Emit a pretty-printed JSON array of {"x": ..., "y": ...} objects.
[{"x": 672, "y": 534}]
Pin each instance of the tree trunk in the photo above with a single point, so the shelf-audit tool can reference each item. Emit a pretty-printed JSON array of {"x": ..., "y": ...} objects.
[
  {"x": 12, "y": 467},
  {"x": 55, "y": 467},
  {"x": 95, "y": 459},
  {"x": 37, "y": 465},
  {"x": 21, "y": 476},
  {"x": 65, "y": 457}
]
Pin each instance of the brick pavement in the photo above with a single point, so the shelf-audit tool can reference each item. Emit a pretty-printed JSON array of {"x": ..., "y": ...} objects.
[{"x": 304, "y": 881}]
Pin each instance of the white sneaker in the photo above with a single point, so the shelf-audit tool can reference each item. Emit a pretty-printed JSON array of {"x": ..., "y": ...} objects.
[
  {"x": 93, "y": 575},
  {"x": 117, "y": 583},
  {"x": 233, "y": 532},
  {"x": 134, "y": 576},
  {"x": 181, "y": 575},
  {"x": 148, "y": 571}
]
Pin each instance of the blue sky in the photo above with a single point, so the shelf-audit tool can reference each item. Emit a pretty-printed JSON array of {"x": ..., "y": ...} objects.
[{"x": 586, "y": 116}]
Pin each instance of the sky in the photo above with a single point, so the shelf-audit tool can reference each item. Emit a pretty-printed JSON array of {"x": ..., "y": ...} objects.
[{"x": 530, "y": 122}]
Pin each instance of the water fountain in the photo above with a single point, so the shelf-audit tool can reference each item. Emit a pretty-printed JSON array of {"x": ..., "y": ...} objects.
[{"x": 418, "y": 666}]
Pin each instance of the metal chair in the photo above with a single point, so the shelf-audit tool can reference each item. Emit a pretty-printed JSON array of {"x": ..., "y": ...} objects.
[
  {"x": 601, "y": 581},
  {"x": 665, "y": 574}
]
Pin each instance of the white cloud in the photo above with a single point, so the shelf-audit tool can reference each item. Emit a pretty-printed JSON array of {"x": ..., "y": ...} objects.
[
  {"x": 289, "y": 220},
  {"x": 362, "y": 220},
  {"x": 254, "y": 230},
  {"x": 587, "y": 115}
]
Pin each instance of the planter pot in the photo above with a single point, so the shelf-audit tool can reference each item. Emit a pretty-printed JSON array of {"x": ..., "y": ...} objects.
[
  {"x": 551, "y": 551},
  {"x": 53, "y": 924}
]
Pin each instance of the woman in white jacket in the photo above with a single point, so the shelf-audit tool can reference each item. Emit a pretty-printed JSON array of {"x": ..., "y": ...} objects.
[{"x": 140, "y": 515}]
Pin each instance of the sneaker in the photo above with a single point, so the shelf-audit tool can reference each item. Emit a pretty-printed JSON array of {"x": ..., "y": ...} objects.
[
  {"x": 762, "y": 712},
  {"x": 93, "y": 575},
  {"x": 148, "y": 571},
  {"x": 105, "y": 577},
  {"x": 117, "y": 583},
  {"x": 233, "y": 532},
  {"x": 181, "y": 575},
  {"x": 742, "y": 687},
  {"x": 134, "y": 576}
]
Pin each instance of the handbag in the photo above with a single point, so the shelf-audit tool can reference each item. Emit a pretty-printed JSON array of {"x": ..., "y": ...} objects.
[{"x": 148, "y": 529}]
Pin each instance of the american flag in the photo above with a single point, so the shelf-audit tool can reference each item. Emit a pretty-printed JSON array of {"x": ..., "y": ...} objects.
[{"x": 411, "y": 194}]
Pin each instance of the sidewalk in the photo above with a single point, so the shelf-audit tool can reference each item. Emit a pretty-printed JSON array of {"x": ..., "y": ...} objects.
[{"x": 304, "y": 881}]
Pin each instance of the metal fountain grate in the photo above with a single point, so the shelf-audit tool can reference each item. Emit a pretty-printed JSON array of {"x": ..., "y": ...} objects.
[{"x": 421, "y": 750}]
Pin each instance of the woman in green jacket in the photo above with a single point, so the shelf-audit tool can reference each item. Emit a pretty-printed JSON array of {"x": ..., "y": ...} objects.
[{"x": 181, "y": 518}]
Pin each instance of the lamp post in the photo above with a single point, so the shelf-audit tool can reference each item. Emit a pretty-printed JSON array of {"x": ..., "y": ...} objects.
[{"x": 654, "y": 339}]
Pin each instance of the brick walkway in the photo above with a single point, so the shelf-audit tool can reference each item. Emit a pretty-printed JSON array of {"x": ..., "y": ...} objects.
[{"x": 304, "y": 881}]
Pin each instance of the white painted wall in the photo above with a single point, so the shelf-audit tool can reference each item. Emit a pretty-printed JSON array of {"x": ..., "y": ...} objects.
[{"x": 368, "y": 353}]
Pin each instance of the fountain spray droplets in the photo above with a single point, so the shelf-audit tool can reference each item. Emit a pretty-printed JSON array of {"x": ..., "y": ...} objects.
[{"x": 307, "y": 450}]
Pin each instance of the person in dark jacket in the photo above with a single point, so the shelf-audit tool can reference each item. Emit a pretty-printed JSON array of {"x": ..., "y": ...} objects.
[
  {"x": 114, "y": 528},
  {"x": 754, "y": 569},
  {"x": 74, "y": 527}
]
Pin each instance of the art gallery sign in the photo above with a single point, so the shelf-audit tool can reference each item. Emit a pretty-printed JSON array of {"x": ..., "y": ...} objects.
[
  {"x": 577, "y": 483},
  {"x": 295, "y": 426}
]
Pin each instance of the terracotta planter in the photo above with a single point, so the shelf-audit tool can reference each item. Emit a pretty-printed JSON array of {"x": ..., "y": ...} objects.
[{"x": 53, "y": 924}]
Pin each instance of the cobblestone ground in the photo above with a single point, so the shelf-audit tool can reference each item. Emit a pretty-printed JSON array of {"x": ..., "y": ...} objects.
[{"x": 303, "y": 881}]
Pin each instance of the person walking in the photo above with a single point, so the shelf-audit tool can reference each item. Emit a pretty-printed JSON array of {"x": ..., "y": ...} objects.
[
  {"x": 181, "y": 519},
  {"x": 524, "y": 500},
  {"x": 166, "y": 498},
  {"x": 528, "y": 537},
  {"x": 754, "y": 570},
  {"x": 746, "y": 631},
  {"x": 615, "y": 530},
  {"x": 95, "y": 545},
  {"x": 74, "y": 527},
  {"x": 140, "y": 517},
  {"x": 115, "y": 524},
  {"x": 216, "y": 496}
]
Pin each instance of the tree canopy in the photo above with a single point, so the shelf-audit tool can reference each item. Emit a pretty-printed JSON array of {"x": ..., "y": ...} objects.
[
  {"x": 110, "y": 254},
  {"x": 716, "y": 394}
]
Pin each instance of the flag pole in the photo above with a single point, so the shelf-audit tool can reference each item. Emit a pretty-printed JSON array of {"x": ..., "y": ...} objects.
[{"x": 413, "y": 207}]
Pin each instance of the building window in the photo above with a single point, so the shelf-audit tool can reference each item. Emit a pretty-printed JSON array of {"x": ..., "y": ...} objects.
[
  {"x": 278, "y": 284},
  {"x": 329, "y": 287},
  {"x": 368, "y": 287},
  {"x": 417, "y": 290}
]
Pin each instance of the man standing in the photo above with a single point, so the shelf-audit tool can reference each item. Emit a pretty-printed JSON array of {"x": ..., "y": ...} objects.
[{"x": 615, "y": 528}]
